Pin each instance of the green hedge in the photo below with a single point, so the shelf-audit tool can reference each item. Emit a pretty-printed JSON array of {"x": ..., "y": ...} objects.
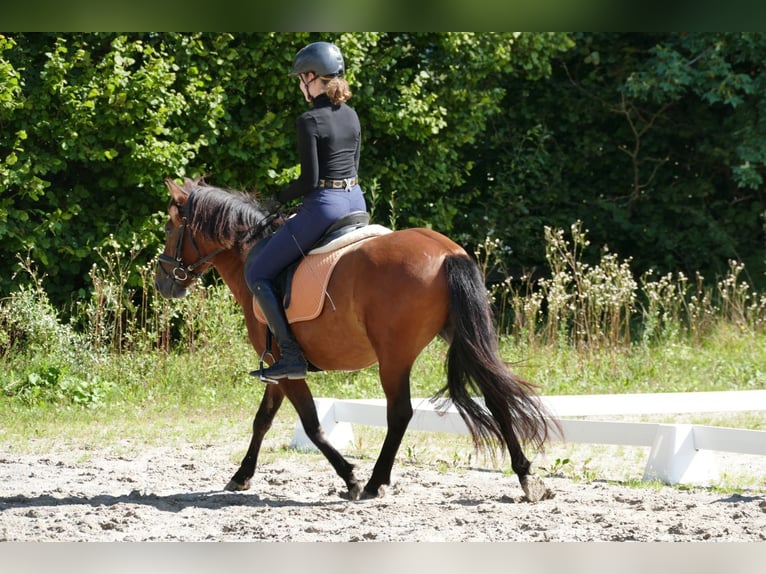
[{"x": 655, "y": 142}]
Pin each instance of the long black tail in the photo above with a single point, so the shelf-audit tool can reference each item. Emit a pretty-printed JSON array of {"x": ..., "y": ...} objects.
[{"x": 474, "y": 366}]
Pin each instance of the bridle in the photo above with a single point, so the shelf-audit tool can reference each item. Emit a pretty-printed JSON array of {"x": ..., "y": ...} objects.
[{"x": 181, "y": 272}]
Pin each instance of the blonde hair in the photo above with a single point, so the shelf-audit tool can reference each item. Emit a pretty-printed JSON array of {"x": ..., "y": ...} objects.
[{"x": 337, "y": 89}]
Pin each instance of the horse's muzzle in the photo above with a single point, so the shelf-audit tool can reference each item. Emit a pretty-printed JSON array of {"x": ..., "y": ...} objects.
[{"x": 169, "y": 288}]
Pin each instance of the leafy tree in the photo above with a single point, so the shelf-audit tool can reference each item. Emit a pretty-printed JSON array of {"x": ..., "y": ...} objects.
[
  {"x": 654, "y": 141},
  {"x": 427, "y": 100},
  {"x": 93, "y": 123},
  {"x": 97, "y": 121}
]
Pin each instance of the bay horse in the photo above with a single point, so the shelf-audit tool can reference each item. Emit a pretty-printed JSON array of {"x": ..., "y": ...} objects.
[{"x": 391, "y": 296}]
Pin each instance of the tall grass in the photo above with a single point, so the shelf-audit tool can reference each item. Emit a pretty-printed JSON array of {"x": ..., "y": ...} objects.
[{"x": 600, "y": 307}]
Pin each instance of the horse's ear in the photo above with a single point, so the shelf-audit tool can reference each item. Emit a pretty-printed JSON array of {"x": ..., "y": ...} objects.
[{"x": 176, "y": 191}]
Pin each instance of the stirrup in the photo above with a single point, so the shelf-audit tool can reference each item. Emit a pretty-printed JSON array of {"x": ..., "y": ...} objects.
[
  {"x": 262, "y": 378},
  {"x": 284, "y": 370},
  {"x": 268, "y": 380},
  {"x": 259, "y": 372}
]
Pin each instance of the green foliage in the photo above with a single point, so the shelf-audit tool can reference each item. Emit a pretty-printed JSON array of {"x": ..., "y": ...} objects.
[
  {"x": 655, "y": 142},
  {"x": 46, "y": 361},
  {"x": 93, "y": 123},
  {"x": 54, "y": 385},
  {"x": 600, "y": 305},
  {"x": 426, "y": 103},
  {"x": 29, "y": 323},
  {"x": 558, "y": 467},
  {"x": 99, "y": 120}
]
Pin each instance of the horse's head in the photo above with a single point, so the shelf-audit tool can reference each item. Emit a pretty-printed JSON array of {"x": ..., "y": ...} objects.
[{"x": 187, "y": 254}]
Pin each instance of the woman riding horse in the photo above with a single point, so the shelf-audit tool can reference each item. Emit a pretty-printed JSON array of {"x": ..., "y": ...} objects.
[
  {"x": 392, "y": 295},
  {"x": 329, "y": 143}
]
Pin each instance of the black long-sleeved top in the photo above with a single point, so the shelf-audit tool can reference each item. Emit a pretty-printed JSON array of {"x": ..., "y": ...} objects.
[{"x": 329, "y": 144}]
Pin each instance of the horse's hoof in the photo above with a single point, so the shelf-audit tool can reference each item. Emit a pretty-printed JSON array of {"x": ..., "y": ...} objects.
[
  {"x": 355, "y": 491},
  {"x": 369, "y": 493},
  {"x": 535, "y": 489},
  {"x": 235, "y": 486}
]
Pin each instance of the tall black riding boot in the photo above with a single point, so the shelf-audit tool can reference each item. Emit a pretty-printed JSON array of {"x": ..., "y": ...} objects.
[{"x": 291, "y": 363}]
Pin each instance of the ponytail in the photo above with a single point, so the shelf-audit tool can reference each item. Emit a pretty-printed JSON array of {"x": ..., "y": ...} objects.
[{"x": 338, "y": 90}]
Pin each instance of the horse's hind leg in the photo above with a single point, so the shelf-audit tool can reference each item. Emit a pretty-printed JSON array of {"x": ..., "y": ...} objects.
[
  {"x": 299, "y": 394},
  {"x": 272, "y": 400},
  {"x": 533, "y": 486},
  {"x": 398, "y": 415}
]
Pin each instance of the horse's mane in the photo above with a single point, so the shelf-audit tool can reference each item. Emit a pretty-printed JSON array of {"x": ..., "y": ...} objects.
[{"x": 232, "y": 217}]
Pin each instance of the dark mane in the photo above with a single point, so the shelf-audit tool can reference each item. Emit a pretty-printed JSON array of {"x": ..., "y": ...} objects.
[{"x": 232, "y": 217}]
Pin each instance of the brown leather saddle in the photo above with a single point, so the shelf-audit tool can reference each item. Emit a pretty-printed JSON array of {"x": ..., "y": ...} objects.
[{"x": 284, "y": 281}]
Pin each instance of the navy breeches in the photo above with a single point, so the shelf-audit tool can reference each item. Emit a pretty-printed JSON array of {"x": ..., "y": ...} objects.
[{"x": 320, "y": 209}]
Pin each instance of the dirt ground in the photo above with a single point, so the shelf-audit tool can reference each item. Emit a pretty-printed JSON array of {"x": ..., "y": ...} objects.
[{"x": 129, "y": 493}]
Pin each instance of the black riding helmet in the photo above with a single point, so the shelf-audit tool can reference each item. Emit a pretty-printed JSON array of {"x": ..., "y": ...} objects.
[{"x": 322, "y": 58}]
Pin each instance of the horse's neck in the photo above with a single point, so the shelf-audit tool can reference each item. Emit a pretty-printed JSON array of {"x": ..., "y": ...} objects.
[{"x": 231, "y": 270}]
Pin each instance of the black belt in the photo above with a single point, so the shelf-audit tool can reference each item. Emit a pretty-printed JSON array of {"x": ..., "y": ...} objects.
[{"x": 344, "y": 184}]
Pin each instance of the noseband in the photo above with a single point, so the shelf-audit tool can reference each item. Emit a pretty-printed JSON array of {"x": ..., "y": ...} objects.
[{"x": 180, "y": 272}]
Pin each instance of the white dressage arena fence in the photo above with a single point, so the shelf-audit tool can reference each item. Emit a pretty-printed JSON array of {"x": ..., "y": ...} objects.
[{"x": 679, "y": 453}]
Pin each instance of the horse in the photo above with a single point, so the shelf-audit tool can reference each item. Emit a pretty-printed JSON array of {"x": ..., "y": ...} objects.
[{"x": 391, "y": 295}]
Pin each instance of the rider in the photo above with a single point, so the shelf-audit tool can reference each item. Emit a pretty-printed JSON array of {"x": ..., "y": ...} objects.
[{"x": 329, "y": 143}]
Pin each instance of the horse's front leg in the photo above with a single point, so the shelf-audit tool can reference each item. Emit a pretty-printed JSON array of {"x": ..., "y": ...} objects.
[
  {"x": 272, "y": 400},
  {"x": 299, "y": 394}
]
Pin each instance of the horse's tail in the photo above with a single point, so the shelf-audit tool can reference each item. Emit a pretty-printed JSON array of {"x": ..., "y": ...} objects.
[{"x": 474, "y": 364}]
